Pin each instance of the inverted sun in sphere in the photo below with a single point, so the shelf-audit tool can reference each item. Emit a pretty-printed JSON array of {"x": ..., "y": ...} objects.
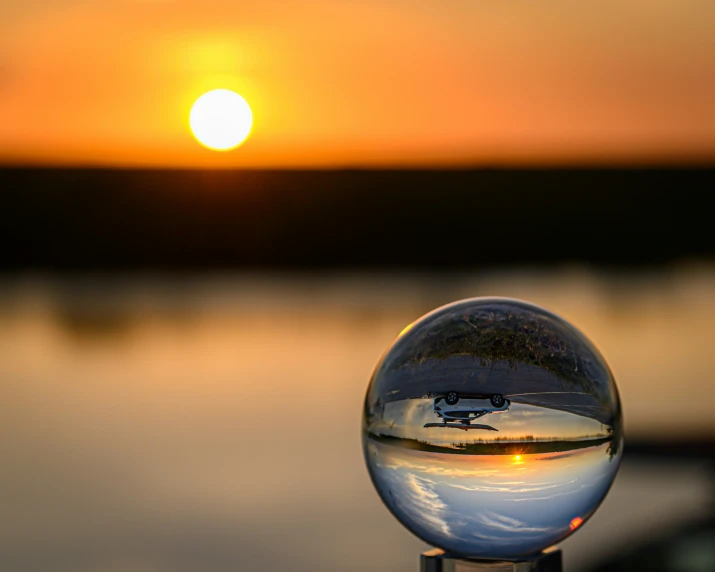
[{"x": 221, "y": 120}]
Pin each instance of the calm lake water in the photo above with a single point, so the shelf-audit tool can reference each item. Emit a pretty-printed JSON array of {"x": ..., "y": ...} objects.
[{"x": 152, "y": 424}]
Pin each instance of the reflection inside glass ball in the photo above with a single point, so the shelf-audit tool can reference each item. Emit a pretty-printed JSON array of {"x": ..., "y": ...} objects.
[{"x": 492, "y": 428}]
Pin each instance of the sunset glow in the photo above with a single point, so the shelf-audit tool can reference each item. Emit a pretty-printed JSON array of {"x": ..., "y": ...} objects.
[{"x": 367, "y": 83}]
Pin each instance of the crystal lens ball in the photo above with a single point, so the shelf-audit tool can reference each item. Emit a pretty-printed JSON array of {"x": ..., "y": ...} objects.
[{"x": 492, "y": 428}]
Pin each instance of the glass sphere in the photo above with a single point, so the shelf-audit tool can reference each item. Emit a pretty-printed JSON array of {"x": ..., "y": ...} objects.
[{"x": 492, "y": 428}]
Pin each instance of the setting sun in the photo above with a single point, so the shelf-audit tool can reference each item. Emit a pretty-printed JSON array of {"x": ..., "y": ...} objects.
[{"x": 221, "y": 120}]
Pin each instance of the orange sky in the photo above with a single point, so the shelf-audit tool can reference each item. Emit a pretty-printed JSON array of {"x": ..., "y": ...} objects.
[{"x": 369, "y": 82}]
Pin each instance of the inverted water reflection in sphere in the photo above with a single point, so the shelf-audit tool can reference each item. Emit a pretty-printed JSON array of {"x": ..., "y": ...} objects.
[{"x": 492, "y": 428}]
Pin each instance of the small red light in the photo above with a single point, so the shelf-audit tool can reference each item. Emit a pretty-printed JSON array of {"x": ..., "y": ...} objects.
[{"x": 576, "y": 522}]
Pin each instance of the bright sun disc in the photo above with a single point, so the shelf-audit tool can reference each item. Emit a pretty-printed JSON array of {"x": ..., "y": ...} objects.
[{"x": 221, "y": 120}]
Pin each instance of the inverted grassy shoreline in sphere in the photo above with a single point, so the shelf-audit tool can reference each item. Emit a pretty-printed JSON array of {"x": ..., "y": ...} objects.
[{"x": 492, "y": 428}]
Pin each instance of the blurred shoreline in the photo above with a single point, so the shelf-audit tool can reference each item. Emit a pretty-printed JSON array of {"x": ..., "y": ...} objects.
[{"x": 78, "y": 220}]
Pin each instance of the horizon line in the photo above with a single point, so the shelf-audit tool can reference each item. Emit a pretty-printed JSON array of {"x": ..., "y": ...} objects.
[{"x": 698, "y": 165}]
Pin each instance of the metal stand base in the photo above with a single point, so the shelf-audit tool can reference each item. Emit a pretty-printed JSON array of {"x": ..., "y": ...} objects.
[{"x": 438, "y": 561}]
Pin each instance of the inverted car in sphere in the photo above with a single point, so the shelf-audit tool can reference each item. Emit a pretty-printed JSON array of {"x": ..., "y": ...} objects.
[{"x": 452, "y": 407}]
